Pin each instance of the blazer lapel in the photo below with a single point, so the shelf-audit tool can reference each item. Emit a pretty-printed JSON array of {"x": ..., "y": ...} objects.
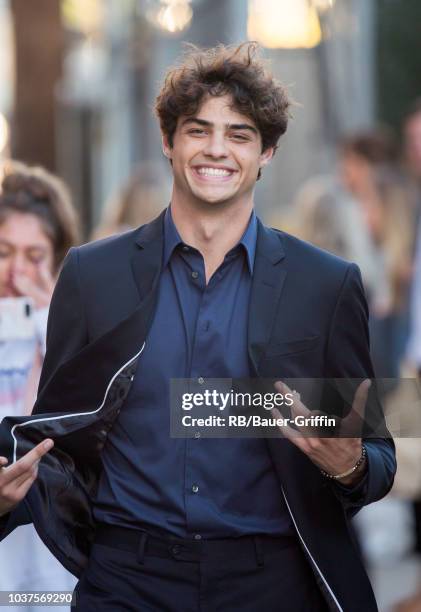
[
  {"x": 269, "y": 275},
  {"x": 147, "y": 260}
]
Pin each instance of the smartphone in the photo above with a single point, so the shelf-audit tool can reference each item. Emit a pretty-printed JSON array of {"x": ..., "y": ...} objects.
[{"x": 16, "y": 319}]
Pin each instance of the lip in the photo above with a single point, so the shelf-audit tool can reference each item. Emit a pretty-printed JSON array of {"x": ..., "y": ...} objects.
[{"x": 205, "y": 178}]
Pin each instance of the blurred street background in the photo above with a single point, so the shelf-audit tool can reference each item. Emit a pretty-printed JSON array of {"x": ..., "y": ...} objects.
[{"x": 78, "y": 79}]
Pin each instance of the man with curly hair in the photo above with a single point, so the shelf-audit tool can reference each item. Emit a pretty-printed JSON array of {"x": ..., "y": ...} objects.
[{"x": 154, "y": 522}]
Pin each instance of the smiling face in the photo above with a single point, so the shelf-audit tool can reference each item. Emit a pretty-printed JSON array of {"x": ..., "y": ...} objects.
[
  {"x": 24, "y": 247},
  {"x": 216, "y": 155}
]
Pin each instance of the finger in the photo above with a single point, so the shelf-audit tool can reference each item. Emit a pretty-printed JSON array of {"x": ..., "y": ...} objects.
[
  {"x": 360, "y": 398},
  {"x": 352, "y": 423},
  {"x": 31, "y": 473},
  {"x": 16, "y": 490},
  {"x": 17, "y": 469},
  {"x": 23, "y": 489},
  {"x": 299, "y": 409},
  {"x": 296, "y": 438},
  {"x": 288, "y": 432},
  {"x": 22, "y": 283},
  {"x": 25, "y": 286},
  {"x": 3, "y": 461},
  {"x": 46, "y": 280},
  {"x": 297, "y": 404}
]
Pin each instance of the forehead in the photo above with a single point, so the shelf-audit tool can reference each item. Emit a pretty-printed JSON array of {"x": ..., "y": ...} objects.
[
  {"x": 220, "y": 110},
  {"x": 23, "y": 228}
]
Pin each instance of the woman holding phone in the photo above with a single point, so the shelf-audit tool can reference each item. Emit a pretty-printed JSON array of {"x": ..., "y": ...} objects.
[{"x": 38, "y": 225}]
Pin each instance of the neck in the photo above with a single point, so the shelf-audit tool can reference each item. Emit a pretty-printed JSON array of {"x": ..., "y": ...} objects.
[{"x": 213, "y": 229}]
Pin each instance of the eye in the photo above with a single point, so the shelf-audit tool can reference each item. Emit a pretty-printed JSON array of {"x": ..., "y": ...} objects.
[
  {"x": 196, "y": 131},
  {"x": 36, "y": 256},
  {"x": 240, "y": 137}
]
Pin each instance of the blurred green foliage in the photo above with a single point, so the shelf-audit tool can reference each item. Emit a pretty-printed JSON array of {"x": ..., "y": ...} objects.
[{"x": 398, "y": 58}]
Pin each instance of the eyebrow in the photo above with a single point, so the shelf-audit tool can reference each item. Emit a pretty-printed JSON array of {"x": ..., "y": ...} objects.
[
  {"x": 29, "y": 247},
  {"x": 230, "y": 126}
]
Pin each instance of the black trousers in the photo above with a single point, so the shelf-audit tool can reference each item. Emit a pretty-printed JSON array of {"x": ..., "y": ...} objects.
[{"x": 137, "y": 572}]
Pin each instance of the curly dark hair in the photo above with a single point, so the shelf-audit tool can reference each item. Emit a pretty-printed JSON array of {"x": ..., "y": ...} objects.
[
  {"x": 33, "y": 190},
  {"x": 237, "y": 71}
]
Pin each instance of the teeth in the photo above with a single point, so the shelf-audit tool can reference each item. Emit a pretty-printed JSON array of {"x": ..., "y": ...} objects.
[{"x": 213, "y": 172}]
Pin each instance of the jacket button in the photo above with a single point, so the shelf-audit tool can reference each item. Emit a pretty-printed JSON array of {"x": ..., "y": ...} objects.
[{"x": 175, "y": 550}]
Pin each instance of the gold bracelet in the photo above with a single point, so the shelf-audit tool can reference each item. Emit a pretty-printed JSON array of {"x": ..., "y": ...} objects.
[{"x": 348, "y": 472}]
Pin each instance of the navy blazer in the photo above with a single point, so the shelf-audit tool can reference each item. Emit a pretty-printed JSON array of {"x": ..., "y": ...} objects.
[{"x": 307, "y": 318}]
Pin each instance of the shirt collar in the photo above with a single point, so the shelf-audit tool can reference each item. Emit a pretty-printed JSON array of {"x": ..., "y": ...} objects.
[
  {"x": 172, "y": 238},
  {"x": 249, "y": 240}
]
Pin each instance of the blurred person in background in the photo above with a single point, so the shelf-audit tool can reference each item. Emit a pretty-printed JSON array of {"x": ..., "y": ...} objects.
[
  {"x": 323, "y": 213},
  {"x": 369, "y": 171},
  {"x": 411, "y": 140},
  {"x": 412, "y": 158},
  {"x": 365, "y": 215},
  {"x": 37, "y": 227},
  {"x": 140, "y": 200}
]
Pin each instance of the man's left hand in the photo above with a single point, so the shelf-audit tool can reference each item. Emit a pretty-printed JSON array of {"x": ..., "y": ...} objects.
[{"x": 333, "y": 455}]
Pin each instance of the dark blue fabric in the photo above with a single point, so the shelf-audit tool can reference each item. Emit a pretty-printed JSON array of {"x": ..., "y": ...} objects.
[
  {"x": 210, "y": 488},
  {"x": 278, "y": 581}
]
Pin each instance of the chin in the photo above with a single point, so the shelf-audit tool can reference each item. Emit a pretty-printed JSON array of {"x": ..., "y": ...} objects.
[{"x": 214, "y": 198}]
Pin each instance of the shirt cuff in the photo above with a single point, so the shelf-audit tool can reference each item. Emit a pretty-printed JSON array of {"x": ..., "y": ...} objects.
[{"x": 356, "y": 492}]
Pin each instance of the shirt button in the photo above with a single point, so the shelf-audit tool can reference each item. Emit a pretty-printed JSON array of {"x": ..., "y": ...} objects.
[
  {"x": 197, "y": 536},
  {"x": 185, "y": 248},
  {"x": 194, "y": 274},
  {"x": 195, "y": 489},
  {"x": 200, "y": 380},
  {"x": 197, "y": 434}
]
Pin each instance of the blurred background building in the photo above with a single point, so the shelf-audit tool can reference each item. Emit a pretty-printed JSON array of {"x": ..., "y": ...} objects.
[{"x": 78, "y": 79}]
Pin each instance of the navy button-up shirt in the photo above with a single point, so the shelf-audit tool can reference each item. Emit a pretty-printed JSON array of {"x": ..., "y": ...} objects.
[{"x": 210, "y": 488}]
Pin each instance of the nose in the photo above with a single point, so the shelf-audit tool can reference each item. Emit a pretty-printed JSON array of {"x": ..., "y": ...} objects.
[
  {"x": 18, "y": 264},
  {"x": 216, "y": 146}
]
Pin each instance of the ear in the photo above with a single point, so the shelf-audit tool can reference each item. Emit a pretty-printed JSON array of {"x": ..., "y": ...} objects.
[
  {"x": 266, "y": 156},
  {"x": 167, "y": 150}
]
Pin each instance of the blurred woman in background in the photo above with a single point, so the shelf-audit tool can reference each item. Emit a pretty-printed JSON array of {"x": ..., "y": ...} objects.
[
  {"x": 369, "y": 170},
  {"x": 38, "y": 225},
  {"x": 326, "y": 215}
]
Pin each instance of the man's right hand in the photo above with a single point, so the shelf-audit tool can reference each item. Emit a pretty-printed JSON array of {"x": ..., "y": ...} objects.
[{"x": 16, "y": 479}]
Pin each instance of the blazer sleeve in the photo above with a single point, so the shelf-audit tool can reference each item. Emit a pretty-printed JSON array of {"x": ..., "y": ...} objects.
[
  {"x": 66, "y": 335},
  {"x": 67, "y": 330},
  {"x": 19, "y": 516},
  {"x": 348, "y": 357}
]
